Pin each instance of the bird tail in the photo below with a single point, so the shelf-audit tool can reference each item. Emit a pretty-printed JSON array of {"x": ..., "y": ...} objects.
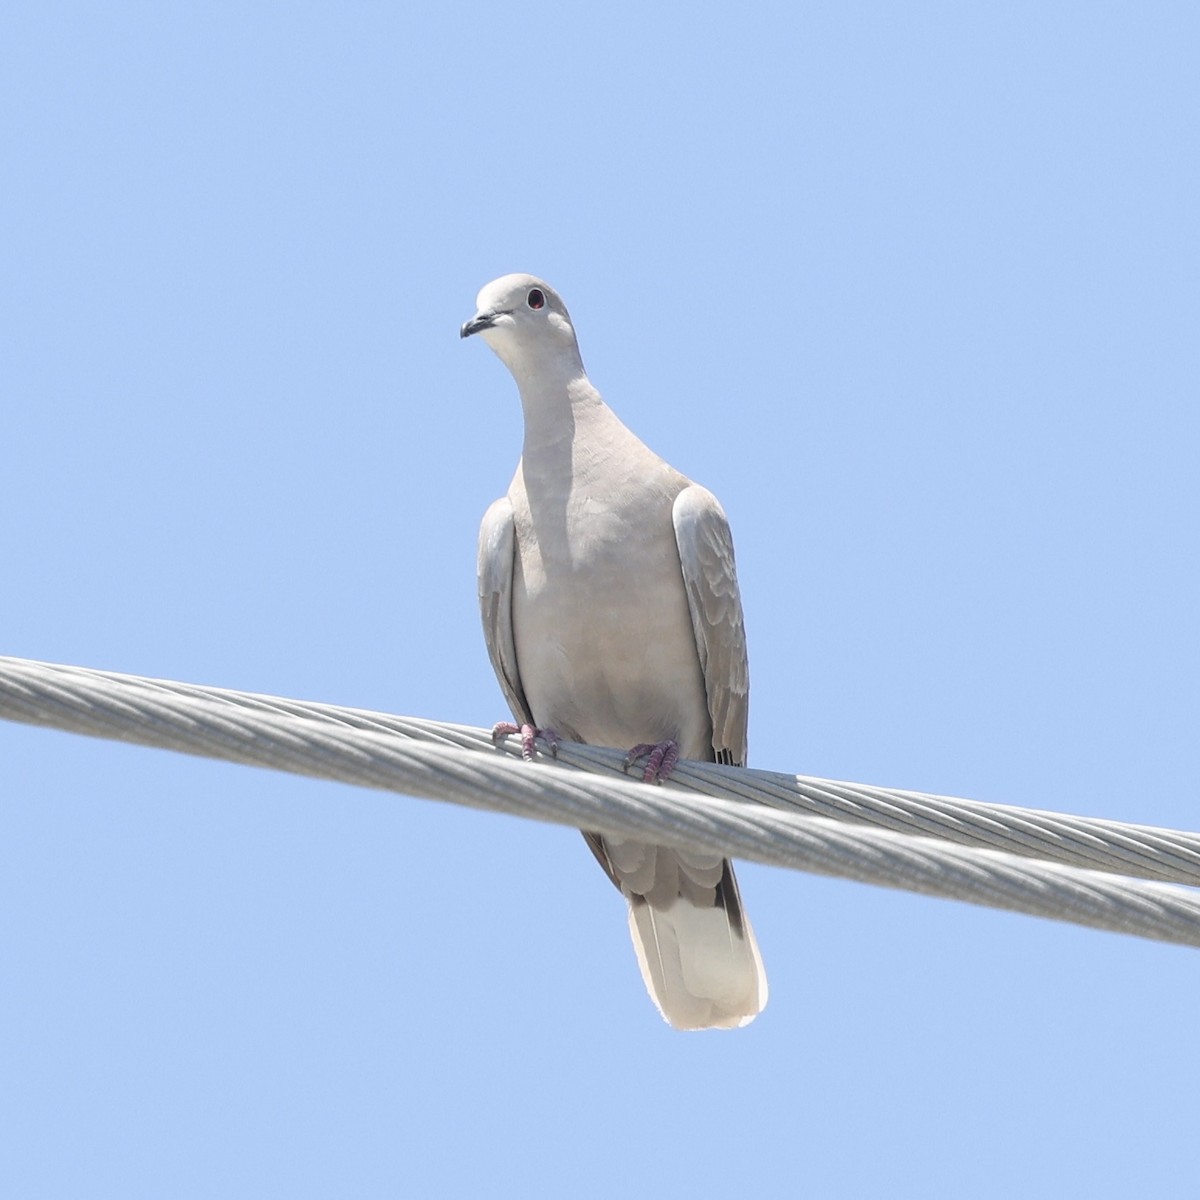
[
  {"x": 694, "y": 944},
  {"x": 700, "y": 963}
]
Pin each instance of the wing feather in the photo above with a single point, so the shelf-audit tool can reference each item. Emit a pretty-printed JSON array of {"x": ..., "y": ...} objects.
[
  {"x": 710, "y": 576},
  {"x": 497, "y": 547}
]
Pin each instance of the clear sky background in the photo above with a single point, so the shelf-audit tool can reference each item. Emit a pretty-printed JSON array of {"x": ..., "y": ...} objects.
[{"x": 913, "y": 288}]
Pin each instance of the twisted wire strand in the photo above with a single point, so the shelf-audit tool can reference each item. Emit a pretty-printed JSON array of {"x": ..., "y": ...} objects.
[
  {"x": 426, "y": 758},
  {"x": 1140, "y": 850}
]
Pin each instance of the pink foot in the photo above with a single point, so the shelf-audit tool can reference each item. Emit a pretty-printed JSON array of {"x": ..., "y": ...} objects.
[
  {"x": 529, "y": 734},
  {"x": 660, "y": 759}
]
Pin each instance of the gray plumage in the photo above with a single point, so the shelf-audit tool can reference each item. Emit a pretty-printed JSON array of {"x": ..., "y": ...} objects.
[{"x": 612, "y": 616}]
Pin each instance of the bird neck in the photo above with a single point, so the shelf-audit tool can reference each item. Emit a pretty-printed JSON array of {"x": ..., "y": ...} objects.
[{"x": 555, "y": 405}]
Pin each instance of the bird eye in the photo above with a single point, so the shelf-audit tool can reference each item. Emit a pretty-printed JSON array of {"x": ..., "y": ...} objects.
[{"x": 536, "y": 298}]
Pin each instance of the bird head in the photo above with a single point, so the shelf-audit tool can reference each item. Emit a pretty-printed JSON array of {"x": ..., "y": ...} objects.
[{"x": 523, "y": 319}]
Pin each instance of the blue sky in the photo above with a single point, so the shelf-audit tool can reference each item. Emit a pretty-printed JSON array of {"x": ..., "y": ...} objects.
[{"x": 912, "y": 288}]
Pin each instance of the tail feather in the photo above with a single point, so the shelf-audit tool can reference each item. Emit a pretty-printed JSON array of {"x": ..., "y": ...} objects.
[
  {"x": 699, "y": 971},
  {"x": 696, "y": 950}
]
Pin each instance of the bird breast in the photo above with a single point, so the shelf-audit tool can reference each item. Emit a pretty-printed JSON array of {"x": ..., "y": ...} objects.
[{"x": 603, "y": 633}]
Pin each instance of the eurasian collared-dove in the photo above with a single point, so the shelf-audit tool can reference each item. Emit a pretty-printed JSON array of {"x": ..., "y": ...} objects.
[{"x": 612, "y": 616}]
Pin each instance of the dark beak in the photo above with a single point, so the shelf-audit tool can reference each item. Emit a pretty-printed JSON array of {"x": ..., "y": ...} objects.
[{"x": 476, "y": 323}]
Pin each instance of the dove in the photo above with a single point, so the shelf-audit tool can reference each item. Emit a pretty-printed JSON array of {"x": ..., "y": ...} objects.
[{"x": 612, "y": 616}]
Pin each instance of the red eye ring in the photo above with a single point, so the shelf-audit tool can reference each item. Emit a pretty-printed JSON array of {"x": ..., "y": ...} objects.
[{"x": 536, "y": 298}]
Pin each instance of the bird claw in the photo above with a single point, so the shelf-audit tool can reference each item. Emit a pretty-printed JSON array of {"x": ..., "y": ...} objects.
[
  {"x": 661, "y": 758},
  {"x": 529, "y": 735}
]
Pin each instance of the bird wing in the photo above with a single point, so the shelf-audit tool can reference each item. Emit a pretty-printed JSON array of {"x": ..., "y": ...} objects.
[
  {"x": 497, "y": 547},
  {"x": 710, "y": 578}
]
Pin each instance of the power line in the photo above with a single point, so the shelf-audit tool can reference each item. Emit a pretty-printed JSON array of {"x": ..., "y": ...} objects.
[{"x": 1046, "y": 864}]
